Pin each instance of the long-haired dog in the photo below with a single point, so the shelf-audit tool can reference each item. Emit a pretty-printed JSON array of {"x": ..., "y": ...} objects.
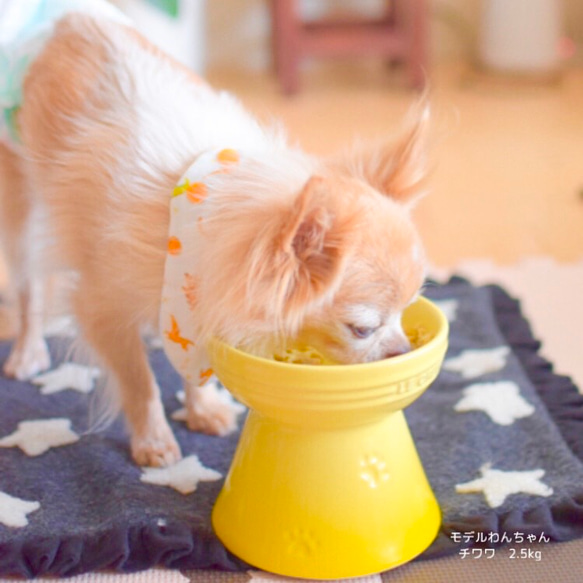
[{"x": 279, "y": 242}]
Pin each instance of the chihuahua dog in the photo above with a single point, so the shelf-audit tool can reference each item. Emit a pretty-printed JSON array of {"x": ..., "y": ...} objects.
[{"x": 173, "y": 206}]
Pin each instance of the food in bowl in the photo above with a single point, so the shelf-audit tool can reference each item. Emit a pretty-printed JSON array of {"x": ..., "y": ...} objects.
[
  {"x": 302, "y": 355},
  {"x": 305, "y": 354},
  {"x": 418, "y": 336}
]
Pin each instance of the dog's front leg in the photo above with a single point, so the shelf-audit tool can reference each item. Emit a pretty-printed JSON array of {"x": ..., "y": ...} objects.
[
  {"x": 207, "y": 411},
  {"x": 152, "y": 440},
  {"x": 119, "y": 344}
]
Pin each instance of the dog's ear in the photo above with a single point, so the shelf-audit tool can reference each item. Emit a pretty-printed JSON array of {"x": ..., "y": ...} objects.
[
  {"x": 399, "y": 169},
  {"x": 306, "y": 255},
  {"x": 312, "y": 241}
]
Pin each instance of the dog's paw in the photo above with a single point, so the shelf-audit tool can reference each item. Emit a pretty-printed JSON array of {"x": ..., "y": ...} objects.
[
  {"x": 213, "y": 416},
  {"x": 218, "y": 421},
  {"x": 156, "y": 450},
  {"x": 210, "y": 409},
  {"x": 27, "y": 360}
]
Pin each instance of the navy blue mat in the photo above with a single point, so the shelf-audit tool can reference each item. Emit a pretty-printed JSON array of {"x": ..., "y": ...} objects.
[{"x": 497, "y": 416}]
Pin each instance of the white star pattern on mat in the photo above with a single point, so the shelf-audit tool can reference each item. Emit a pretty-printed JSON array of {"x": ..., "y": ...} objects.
[
  {"x": 69, "y": 375},
  {"x": 497, "y": 485},
  {"x": 474, "y": 363},
  {"x": 13, "y": 510},
  {"x": 449, "y": 308},
  {"x": 183, "y": 476},
  {"x": 224, "y": 396},
  {"x": 501, "y": 401},
  {"x": 36, "y": 437},
  {"x": 263, "y": 577}
]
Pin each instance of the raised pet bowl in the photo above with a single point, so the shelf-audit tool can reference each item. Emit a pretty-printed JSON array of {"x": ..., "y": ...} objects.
[{"x": 326, "y": 482}]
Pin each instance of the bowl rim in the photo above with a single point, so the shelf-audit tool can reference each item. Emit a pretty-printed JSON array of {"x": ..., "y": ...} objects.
[{"x": 418, "y": 353}]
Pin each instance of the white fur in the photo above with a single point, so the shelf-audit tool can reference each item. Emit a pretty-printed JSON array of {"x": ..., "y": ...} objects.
[{"x": 364, "y": 316}]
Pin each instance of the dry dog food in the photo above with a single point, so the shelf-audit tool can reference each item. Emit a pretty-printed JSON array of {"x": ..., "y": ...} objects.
[
  {"x": 303, "y": 355},
  {"x": 418, "y": 336}
]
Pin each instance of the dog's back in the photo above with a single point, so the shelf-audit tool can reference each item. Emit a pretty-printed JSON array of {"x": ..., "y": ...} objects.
[{"x": 107, "y": 126}]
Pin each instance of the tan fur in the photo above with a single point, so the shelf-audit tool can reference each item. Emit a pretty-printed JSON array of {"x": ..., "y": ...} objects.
[{"x": 292, "y": 244}]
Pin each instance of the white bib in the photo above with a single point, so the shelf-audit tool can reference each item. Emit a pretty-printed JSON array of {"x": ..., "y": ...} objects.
[{"x": 177, "y": 311}]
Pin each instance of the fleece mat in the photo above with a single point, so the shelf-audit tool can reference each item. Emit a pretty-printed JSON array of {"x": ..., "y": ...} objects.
[{"x": 499, "y": 433}]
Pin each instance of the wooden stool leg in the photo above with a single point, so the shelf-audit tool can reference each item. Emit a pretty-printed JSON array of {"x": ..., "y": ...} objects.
[
  {"x": 286, "y": 43},
  {"x": 391, "y": 18},
  {"x": 417, "y": 62}
]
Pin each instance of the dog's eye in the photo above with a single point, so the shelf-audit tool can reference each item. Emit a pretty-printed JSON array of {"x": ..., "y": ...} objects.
[{"x": 360, "y": 332}]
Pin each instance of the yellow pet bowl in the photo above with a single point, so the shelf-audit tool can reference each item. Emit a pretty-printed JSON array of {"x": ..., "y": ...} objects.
[{"x": 326, "y": 482}]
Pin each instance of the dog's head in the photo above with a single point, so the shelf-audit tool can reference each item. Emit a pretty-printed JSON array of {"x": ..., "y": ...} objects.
[
  {"x": 340, "y": 260},
  {"x": 375, "y": 263},
  {"x": 379, "y": 272}
]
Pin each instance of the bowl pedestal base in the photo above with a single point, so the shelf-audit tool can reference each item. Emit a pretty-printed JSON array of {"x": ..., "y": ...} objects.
[{"x": 326, "y": 502}]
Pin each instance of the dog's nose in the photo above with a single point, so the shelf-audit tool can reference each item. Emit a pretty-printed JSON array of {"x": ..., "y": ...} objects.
[
  {"x": 398, "y": 348},
  {"x": 396, "y": 352}
]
